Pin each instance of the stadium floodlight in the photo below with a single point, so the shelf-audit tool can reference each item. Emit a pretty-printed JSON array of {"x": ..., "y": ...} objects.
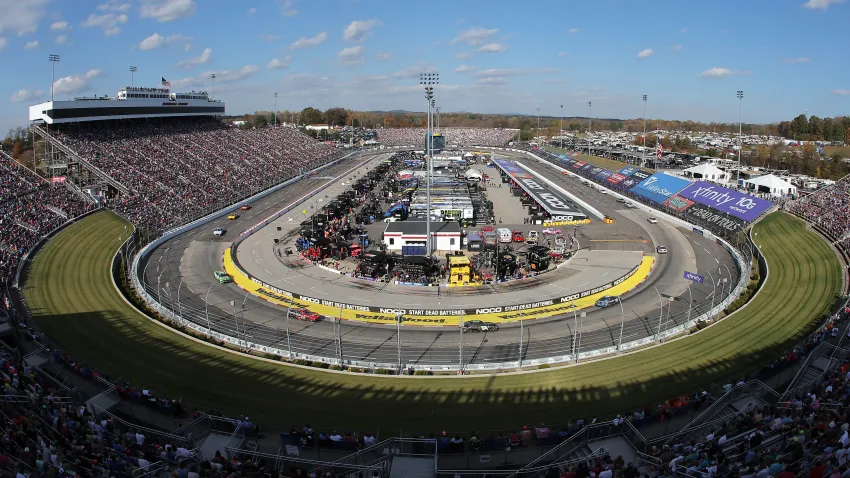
[
  {"x": 275, "y": 109},
  {"x": 589, "y": 127},
  {"x": 428, "y": 80},
  {"x": 133, "y": 70},
  {"x": 538, "y": 122},
  {"x": 740, "y": 132},
  {"x": 561, "y": 127},
  {"x": 212, "y": 91},
  {"x": 54, "y": 59},
  {"x": 643, "y": 153}
]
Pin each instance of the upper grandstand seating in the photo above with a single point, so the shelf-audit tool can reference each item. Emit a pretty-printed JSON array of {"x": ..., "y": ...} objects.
[
  {"x": 30, "y": 207},
  {"x": 460, "y": 136},
  {"x": 828, "y": 209},
  {"x": 180, "y": 169}
]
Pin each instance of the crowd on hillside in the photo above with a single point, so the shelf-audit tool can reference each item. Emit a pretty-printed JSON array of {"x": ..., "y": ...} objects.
[
  {"x": 454, "y": 136},
  {"x": 179, "y": 169},
  {"x": 829, "y": 209},
  {"x": 30, "y": 207}
]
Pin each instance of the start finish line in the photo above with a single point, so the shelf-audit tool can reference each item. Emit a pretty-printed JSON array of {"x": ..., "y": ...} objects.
[{"x": 560, "y": 208}]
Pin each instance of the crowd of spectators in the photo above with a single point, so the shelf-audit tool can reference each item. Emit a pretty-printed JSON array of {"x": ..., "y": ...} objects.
[
  {"x": 178, "y": 169},
  {"x": 30, "y": 208},
  {"x": 454, "y": 136},
  {"x": 828, "y": 209}
]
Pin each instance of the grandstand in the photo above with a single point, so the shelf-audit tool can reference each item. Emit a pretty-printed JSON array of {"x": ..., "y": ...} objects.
[{"x": 454, "y": 136}]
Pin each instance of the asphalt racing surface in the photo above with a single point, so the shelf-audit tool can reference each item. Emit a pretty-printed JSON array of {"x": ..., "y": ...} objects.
[{"x": 182, "y": 274}]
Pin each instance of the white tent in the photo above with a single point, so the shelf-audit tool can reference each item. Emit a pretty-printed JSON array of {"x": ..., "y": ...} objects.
[
  {"x": 707, "y": 172},
  {"x": 770, "y": 184}
]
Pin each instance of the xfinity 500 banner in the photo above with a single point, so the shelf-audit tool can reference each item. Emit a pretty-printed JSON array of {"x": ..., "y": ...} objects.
[
  {"x": 660, "y": 186},
  {"x": 740, "y": 205}
]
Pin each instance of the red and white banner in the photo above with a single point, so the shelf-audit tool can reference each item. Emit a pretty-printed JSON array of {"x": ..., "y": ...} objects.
[
  {"x": 658, "y": 147},
  {"x": 57, "y": 179}
]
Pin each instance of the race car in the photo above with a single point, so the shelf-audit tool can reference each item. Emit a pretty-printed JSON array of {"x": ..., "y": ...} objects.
[
  {"x": 479, "y": 326},
  {"x": 245, "y": 207},
  {"x": 218, "y": 232},
  {"x": 305, "y": 314},
  {"x": 652, "y": 220},
  {"x": 607, "y": 300},
  {"x": 661, "y": 249},
  {"x": 553, "y": 232},
  {"x": 232, "y": 217},
  {"x": 516, "y": 236},
  {"x": 222, "y": 277}
]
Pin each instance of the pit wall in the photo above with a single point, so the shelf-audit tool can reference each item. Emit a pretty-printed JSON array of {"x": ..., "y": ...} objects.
[{"x": 560, "y": 359}]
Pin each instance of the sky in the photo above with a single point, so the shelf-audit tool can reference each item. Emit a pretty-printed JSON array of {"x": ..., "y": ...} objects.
[{"x": 689, "y": 57}]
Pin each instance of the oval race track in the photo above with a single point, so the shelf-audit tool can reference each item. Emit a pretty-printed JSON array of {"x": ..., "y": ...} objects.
[{"x": 182, "y": 269}]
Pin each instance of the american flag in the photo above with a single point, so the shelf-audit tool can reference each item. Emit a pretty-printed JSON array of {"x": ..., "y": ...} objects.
[
  {"x": 658, "y": 148},
  {"x": 165, "y": 82}
]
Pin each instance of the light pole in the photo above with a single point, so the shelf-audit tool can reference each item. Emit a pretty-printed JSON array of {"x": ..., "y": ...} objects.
[
  {"x": 521, "y": 338},
  {"x": 740, "y": 132},
  {"x": 661, "y": 316},
  {"x": 643, "y": 152},
  {"x": 690, "y": 301},
  {"x": 713, "y": 289},
  {"x": 54, "y": 59},
  {"x": 622, "y": 323},
  {"x": 589, "y": 126},
  {"x": 133, "y": 70},
  {"x": 275, "y": 109},
  {"x": 242, "y": 313},
  {"x": 428, "y": 80},
  {"x": 212, "y": 91},
  {"x": 179, "y": 307},
  {"x": 438, "y": 118},
  {"x": 207, "y": 309},
  {"x": 538, "y": 122},
  {"x": 575, "y": 330},
  {"x": 561, "y": 128},
  {"x": 288, "y": 340},
  {"x": 398, "y": 319},
  {"x": 460, "y": 353}
]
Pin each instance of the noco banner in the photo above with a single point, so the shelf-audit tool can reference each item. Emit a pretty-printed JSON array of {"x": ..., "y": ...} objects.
[
  {"x": 660, "y": 186},
  {"x": 738, "y": 204}
]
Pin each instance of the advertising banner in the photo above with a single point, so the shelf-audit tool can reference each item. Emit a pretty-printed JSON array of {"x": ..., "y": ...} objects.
[
  {"x": 616, "y": 178},
  {"x": 677, "y": 203},
  {"x": 595, "y": 170},
  {"x": 629, "y": 183},
  {"x": 738, "y": 204},
  {"x": 641, "y": 175},
  {"x": 578, "y": 164},
  {"x": 604, "y": 174},
  {"x": 586, "y": 168},
  {"x": 511, "y": 168},
  {"x": 627, "y": 171},
  {"x": 716, "y": 218},
  {"x": 560, "y": 208},
  {"x": 659, "y": 187},
  {"x": 694, "y": 277}
]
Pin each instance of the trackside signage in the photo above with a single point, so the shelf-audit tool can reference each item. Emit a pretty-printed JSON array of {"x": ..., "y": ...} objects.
[
  {"x": 641, "y": 175},
  {"x": 552, "y": 202},
  {"x": 511, "y": 169},
  {"x": 660, "y": 186},
  {"x": 740, "y": 205},
  {"x": 707, "y": 215},
  {"x": 694, "y": 277}
]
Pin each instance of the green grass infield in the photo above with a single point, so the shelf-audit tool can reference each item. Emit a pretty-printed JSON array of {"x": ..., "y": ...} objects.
[{"x": 72, "y": 298}]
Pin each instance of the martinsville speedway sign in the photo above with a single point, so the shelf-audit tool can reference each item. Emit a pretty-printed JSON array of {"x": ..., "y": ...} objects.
[{"x": 436, "y": 317}]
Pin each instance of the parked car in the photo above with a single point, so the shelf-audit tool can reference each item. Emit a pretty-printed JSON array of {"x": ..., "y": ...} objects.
[
  {"x": 607, "y": 300},
  {"x": 661, "y": 249},
  {"x": 652, "y": 220},
  {"x": 516, "y": 236},
  {"x": 479, "y": 326},
  {"x": 532, "y": 238},
  {"x": 305, "y": 314}
]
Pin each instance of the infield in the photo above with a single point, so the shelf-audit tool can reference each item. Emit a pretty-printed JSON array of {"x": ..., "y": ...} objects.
[{"x": 71, "y": 297}]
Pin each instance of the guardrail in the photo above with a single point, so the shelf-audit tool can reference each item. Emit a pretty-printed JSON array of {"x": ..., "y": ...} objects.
[{"x": 205, "y": 324}]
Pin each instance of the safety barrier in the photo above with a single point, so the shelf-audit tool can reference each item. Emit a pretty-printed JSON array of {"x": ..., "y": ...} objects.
[{"x": 197, "y": 324}]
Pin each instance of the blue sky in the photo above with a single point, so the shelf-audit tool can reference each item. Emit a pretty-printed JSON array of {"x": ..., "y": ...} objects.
[{"x": 689, "y": 57}]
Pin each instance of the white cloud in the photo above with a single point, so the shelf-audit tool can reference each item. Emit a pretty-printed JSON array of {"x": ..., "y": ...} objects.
[
  {"x": 187, "y": 47},
  {"x": 31, "y": 45},
  {"x": 279, "y": 64},
  {"x": 796, "y": 60},
  {"x": 493, "y": 48},
  {"x": 252, "y": 11},
  {"x": 505, "y": 72},
  {"x": 573, "y": 31},
  {"x": 156, "y": 40},
  {"x": 61, "y": 39},
  {"x": 465, "y": 68},
  {"x": 114, "y": 6},
  {"x": 21, "y": 16},
  {"x": 820, "y": 4},
  {"x": 25, "y": 95},
  {"x": 201, "y": 59},
  {"x": 474, "y": 36},
  {"x": 108, "y": 22},
  {"x": 60, "y": 26},
  {"x": 414, "y": 71},
  {"x": 223, "y": 76},
  {"x": 841, "y": 92},
  {"x": 491, "y": 81},
  {"x": 382, "y": 56},
  {"x": 74, "y": 84},
  {"x": 722, "y": 72},
  {"x": 358, "y": 30},
  {"x": 305, "y": 42},
  {"x": 561, "y": 54},
  {"x": 2, "y": 42},
  {"x": 647, "y": 52},
  {"x": 351, "y": 52},
  {"x": 286, "y": 8},
  {"x": 167, "y": 10}
]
